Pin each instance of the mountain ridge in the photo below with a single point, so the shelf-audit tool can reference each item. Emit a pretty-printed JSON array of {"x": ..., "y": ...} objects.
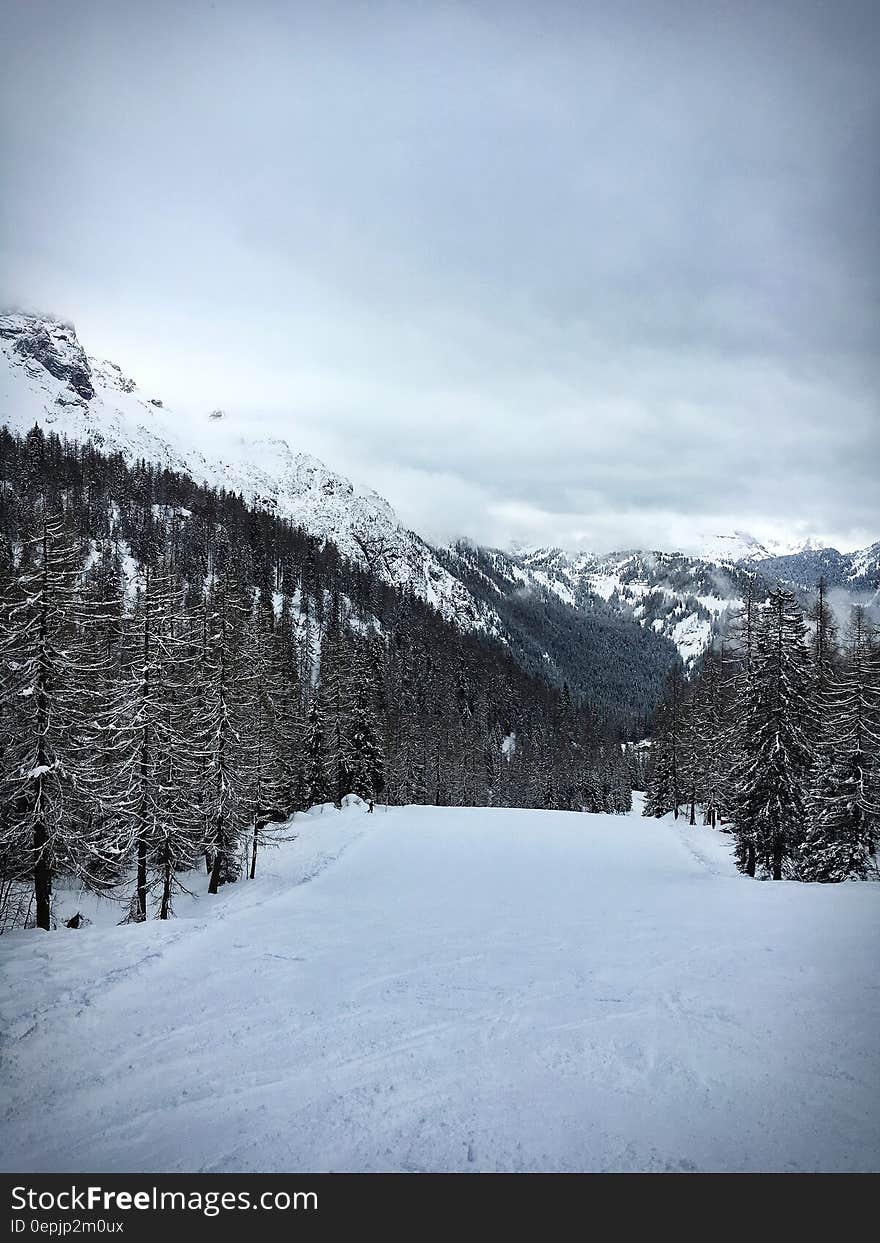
[
  {"x": 550, "y": 605},
  {"x": 49, "y": 379}
]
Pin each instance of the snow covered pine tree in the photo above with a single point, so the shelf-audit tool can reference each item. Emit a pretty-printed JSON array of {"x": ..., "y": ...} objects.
[
  {"x": 769, "y": 780},
  {"x": 843, "y": 808}
]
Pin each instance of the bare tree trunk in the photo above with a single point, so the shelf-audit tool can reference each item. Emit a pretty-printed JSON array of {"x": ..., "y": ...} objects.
[
  {"x": 42, "y": 876},
  {"x": 218, "y": 864},
  {"x": 777, "y": 858},
  {"x": 750, "y": 859},
  {"x": 253, "y": 870},
  {"x": 165, "y": 907},
  {"x": 141, "y": 879}
]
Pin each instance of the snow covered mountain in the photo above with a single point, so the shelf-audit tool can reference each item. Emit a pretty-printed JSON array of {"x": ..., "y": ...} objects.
[
  {"x": 49, "y": 379},
  {"x": 549, "y": 606},
  {"x": 687, "y": 598},
  {"x": 729, "y": 549},
  {"x": 742, "y": 547},
  {"x": 680, "y": 597},
  {"x": 855, "y": 572},
  {"x": 604, "y": 655}
]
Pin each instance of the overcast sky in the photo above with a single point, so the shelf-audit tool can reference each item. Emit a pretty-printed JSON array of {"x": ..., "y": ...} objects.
[{"x": 600, "y": 274}]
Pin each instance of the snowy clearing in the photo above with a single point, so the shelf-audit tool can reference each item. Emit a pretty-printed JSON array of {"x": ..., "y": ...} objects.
[{"x": 457, "y": 989}]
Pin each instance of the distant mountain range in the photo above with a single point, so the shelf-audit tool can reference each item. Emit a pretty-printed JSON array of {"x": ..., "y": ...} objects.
[
  {"x": 687, "y": 598},
  {"x": 608, "y": 625}
]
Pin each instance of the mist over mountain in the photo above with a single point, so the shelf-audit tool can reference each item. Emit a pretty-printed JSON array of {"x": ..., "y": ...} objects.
[{"x": 609, "y": 626}]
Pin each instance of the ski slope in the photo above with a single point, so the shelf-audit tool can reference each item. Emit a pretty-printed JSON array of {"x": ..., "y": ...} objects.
[{"x": 456, "y": 989}]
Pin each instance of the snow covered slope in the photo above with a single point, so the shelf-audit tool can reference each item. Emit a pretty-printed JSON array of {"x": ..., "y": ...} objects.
[
  {"x": 46, "y": 377},
  {"x": 856, "y": 572},
  {"x": 687, "y": 598},
  {"x": 740, "y": 547},
  {"x": 681, "y": 597},
  {"x": 569, "y": 632},
  {"x": 457, "y": 989}
]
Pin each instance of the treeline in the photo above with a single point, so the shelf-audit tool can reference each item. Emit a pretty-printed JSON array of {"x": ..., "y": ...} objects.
[
  {"x": 778, "y": 739},
  {"x": 181, "y": 672}
]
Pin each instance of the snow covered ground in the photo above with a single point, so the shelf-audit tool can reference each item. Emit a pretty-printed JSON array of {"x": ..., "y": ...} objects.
[{"x": 457, "y": 989}]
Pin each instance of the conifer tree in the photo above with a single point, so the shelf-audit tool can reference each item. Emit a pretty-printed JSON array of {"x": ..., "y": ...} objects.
[
  {"x": 317, "y": 781},
  {"x": 289, "y": 710},
  {"x": 147, "y": 779},
  {"x": 664, "y": 787},
  {"x": 844, "y": 800},
  {"x": 711, "y": 733},
  {"x": 367, "y": 765},
  {"x": 47, "y": 676},
  {"x": 769, "y": 780},
  {"x": 335, "y": 677},
  {"x": 265, "y": 786},
  {"x": 823, "y": 642},
  {"x": 224, "y": 799}
]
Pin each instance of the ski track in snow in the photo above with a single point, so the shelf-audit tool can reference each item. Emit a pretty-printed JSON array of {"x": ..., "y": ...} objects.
[{"x": 456, "y": 989}]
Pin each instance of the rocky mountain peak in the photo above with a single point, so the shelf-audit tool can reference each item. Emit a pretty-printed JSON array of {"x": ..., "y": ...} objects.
[{"x": 52, "y": 345}]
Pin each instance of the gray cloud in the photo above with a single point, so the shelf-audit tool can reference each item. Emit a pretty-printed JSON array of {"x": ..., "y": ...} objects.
[{"x": 596, "y": 273}]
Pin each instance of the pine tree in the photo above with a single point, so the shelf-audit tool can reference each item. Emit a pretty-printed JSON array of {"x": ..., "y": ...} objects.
[
  {"x": 225, "y": 796},
  {"x": 690, "y": 764},
  {"x": 664, "y": 787},
  {"x": 262, "y": 718},
  {"x": 317, "y": 781},
  {"x": 844, "y": 801},
  {"x": 335, "y": 677},
  {"x": 366, "y": 763},
  {"x": 47, "y": 679},
  {"x": 776, "y": 726},
  {"x": 288, "y": 710},
  {"x": 151, "y": 764},
  {"x": 711, "y": 736},
  {"x": 142, "y": 717},
  {"x": 621, "y": 789},
  {"x": 823, "y": 643}
]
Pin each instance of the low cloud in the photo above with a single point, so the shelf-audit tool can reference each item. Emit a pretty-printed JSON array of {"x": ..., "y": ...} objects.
[{"x": 597, "y": 275}]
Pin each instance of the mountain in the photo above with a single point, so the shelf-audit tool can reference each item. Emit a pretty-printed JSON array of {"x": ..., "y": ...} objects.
[
  {"x": 604, "y": 656},
  {"x": 599, "y": 649},
  {"x": 688, "y": 598},
  {"x": 720, "y": 549},
  {"x": 741, "y": 546},
  {"x": 49, "y": 379},
  {"x": 610, "y": 626},
  {"x": 681, "y": 598},
  {"x": 855, "y": 572}
]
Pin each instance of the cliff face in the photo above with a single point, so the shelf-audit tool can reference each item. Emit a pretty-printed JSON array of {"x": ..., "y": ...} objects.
[{"x": 52, "y": 346}]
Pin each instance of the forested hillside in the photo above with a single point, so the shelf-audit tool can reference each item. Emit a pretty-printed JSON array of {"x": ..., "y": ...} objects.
[
  {"x": 779, "y": 735},
  {"x": 610, "y": 660},
  {"x": 603, "y": 654},
  {"x": 688, "y": 599},
  {"x": 181, "y": 672}
]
